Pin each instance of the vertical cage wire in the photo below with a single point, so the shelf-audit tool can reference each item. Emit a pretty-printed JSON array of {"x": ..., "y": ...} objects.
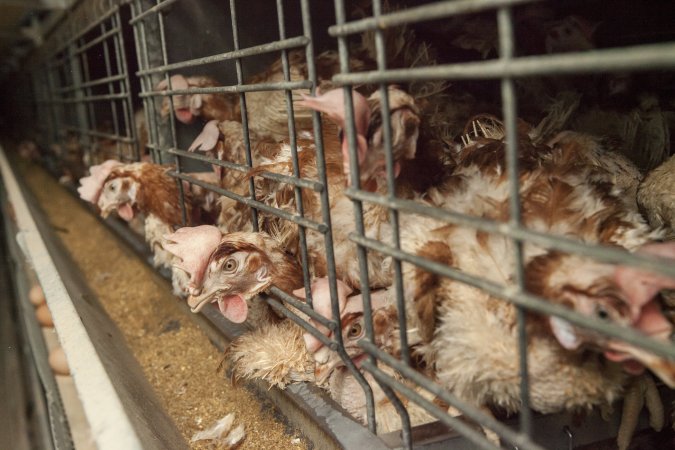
[
  {"x": 149, "y": 104},
  {"x": 128, "y": 112},
  {"x": 510, "y": 114},
  {"x": 111, "y": 90},
  {"x": 172, "y": 128},
  {"x": 395, "y": 238},
  {"x": 304, "y": 260},
  {"x": 242, "y": 108},
  {"x": 355, "y": 182},
  {"x": 86, "y": 121}
]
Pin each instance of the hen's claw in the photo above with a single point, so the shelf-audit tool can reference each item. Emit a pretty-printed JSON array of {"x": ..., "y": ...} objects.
[{"x": 641, "y": 391}]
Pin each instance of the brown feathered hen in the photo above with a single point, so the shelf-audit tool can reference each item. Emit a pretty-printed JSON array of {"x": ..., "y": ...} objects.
[
  {"x": 283, "y": 354},
  {"x": 471, "y": 336},
  {"x": 217, "y": 106},
  {"x": 147, "y": 190},
  {"x": 232, "y": 270}
]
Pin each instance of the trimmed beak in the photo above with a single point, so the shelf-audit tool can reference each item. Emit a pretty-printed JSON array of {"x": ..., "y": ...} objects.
[
  {"x": 663, "y": 368},
  {"x": 197, "y": 302},
  {"x": 326, "y": 360},
  {"x": 106, "y": 210},
  {"x": 655, "y": 325}
]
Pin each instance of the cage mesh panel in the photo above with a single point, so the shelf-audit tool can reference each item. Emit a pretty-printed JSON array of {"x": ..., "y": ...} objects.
[
  {"x": 70, "y": 95},
  {"x": 75, "y": 87},
  {"x": 504, "y": 68}
]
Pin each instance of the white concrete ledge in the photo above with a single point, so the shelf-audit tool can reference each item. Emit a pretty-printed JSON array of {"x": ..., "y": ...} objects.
[{"x": 111, "y": 427}]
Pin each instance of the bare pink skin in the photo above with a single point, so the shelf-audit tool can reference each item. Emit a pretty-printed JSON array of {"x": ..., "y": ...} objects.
[
  {"x": 640, "y": 287},
  {"x": 332, "y": 104},
  {"x": 193, "y": 246},
  {"x": 322, "y": 305},
  {"x": 207, "y": 141},
  {"x": 234, "y": 308}
]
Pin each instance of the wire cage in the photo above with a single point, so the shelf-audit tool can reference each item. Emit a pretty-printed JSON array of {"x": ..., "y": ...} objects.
[
  {"x": 82, "y": 89},
  {"x": 84, "y": 82}
]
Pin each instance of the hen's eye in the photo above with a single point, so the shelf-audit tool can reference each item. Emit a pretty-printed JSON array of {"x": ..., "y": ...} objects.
[
  {"x": 111, "y": 187},
  {"x": 355, "y": 330},
  {"x": 602, "y": 313},
  {"x": 230, "y": 265}
]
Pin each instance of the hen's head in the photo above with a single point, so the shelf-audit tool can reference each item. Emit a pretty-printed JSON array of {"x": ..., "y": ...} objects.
[
  {"x": 353, "y": 326},
  {"x": 92, "y": 185},
  {"x": 621, "y": 295},
  {"x": 571, "y": 34},
  {"x": 230, "y": 270},
  {"x": 405, "y": 122},
  {"x": 188, "y": 106},
  {"x": 120, "y": 192},
  {"x": 404, "y": 119}
]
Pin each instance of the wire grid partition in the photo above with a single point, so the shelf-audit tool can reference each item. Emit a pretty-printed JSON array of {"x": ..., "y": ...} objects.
[
  {"x": 82, "y": 86},
  {"x": 505, "y": 68},
  {"x": 152, "y": 53},
  {"x": 66, "y": 92},
  {"x": 149, "y": 31}
]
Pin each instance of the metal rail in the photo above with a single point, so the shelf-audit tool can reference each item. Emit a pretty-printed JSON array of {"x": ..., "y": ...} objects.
[{"x": 283, "y": 44}]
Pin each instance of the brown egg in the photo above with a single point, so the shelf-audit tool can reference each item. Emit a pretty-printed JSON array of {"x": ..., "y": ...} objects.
[
  {"x": 36, "y": 296},
  {"x": 58, "y": 362},
  {"x": 44, "y": 317}
]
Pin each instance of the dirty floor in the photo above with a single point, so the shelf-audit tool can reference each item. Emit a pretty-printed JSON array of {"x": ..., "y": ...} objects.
[{"x": 176, "y": 356}]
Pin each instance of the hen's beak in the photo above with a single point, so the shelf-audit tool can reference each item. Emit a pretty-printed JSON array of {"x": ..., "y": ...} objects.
[
  {"x": 652, "y": 323},
  {"x": 105, "y": 213},
  {"x": 106, "y": 210},
  {"x": 197, "y": 302},
  {"x": 326, "y": 361},
  {"x": 663, "y": 368}
]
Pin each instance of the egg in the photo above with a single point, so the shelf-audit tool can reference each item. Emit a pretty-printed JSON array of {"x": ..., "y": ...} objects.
[
  {"x": 36, "y": 295},
  {"x": 44, "y": 317},
  {"x": 58, "y": 362}
]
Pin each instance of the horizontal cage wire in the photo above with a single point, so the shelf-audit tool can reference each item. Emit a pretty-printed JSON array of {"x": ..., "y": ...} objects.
[{"x": 117, "y": 82}]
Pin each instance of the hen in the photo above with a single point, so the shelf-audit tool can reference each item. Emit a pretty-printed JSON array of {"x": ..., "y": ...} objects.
[
  {"x": 331, "y": 371},
  {"x": 218, "y": 106},
  {"x": 144, "y": 188},
  {"x": 283, "y": 354},
  {"x": 231, "y": 270},
  {"x": 480, "y": 363}
]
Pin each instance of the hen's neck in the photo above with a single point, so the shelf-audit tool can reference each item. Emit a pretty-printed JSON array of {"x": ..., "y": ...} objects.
[{"x": 160, "y": 196}]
